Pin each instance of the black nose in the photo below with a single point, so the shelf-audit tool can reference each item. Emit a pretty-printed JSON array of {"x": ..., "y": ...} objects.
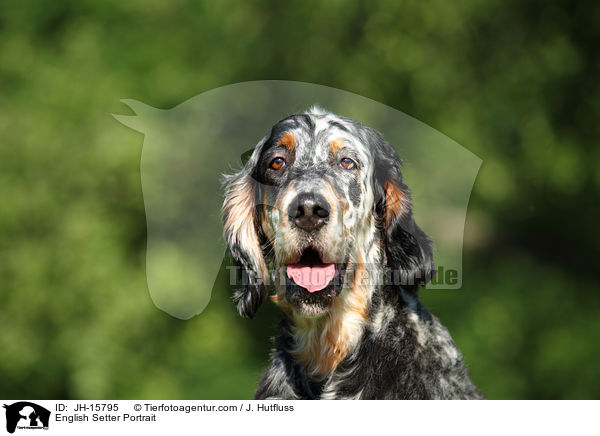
[{"x": 309, "y": 211}]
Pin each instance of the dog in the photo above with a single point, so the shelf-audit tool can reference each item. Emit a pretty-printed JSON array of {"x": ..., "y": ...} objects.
[{"x": 320, "y": 215}]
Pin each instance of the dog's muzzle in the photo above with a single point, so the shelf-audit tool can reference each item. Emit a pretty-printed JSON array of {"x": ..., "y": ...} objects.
[{"x": 313, "y": 280}]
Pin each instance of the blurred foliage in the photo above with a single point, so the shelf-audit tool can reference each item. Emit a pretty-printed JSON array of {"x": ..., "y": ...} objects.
[{"x": 515, "y": 82}]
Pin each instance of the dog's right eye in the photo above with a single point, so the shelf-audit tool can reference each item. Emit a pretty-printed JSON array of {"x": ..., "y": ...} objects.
[
  {"x": 277, "y": 163},
  {"x": 347, "y": 163}
]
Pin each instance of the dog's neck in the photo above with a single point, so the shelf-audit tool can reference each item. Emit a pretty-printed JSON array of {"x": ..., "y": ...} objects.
[{"x": 322, "y": 343}]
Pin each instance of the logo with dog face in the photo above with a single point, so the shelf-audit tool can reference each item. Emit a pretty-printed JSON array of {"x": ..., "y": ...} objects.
[{"x": 26, "y": 415}]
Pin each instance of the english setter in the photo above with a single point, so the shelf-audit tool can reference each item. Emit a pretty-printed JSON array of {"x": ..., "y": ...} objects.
[{"x": 320, "y": 214}]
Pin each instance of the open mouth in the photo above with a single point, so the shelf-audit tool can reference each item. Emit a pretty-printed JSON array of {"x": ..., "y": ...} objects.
[
  {"x": 311, "y": 284},
  {"x": 310, "y": 272}
]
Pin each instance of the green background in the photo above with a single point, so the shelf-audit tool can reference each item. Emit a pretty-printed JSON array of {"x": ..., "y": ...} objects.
[{"x": 515, "y": 82}]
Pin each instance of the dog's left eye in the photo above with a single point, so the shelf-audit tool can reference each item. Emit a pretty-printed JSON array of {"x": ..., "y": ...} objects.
[
  {"x": 347, "y": 163},
  {"x": 277, "y": 163}
]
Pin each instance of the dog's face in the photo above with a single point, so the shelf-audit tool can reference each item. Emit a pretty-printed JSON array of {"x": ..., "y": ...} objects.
[
  {"x": 316, "y": 195},
  {"x": 320, "y": 197}
]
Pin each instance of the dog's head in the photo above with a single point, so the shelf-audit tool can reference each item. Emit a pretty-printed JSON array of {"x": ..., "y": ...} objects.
[{"x": 320, "y": 199}]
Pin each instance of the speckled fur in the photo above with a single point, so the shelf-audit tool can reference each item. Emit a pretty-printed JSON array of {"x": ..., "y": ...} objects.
[{"x": 373, "y": 340}]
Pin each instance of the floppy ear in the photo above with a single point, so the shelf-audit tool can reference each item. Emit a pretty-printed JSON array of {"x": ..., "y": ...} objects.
[
  {"x": 408, "y": 249},
  {"x": 241, "y": 231}
]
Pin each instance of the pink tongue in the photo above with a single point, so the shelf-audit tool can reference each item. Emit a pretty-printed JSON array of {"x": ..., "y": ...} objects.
[{"x": 313, "y": 278}]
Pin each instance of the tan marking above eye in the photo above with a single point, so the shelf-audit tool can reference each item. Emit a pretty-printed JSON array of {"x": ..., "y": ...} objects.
[
  {"x": 288, "y": 141},
  {"x": 336, "y": 144}
]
